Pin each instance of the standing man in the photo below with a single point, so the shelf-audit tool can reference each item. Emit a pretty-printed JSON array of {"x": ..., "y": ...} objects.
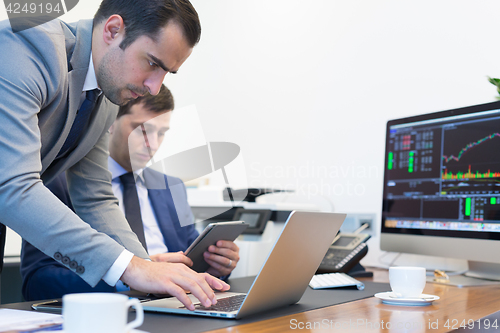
[
  {"x": 58, "y": 83},
  {"x": 160, "y": 227}
]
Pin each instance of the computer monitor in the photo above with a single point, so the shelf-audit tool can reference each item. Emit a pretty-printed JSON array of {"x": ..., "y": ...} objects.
[{"x": 442, "y": 187}]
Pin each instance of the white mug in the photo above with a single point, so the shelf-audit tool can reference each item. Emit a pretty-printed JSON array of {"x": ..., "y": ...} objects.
[
  {"x": 407, "y": 282},
  {"x": 99, "y": 313}
]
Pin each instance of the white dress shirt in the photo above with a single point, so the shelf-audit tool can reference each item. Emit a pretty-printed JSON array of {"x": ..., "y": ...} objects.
[{"x": 154, "y": 238}]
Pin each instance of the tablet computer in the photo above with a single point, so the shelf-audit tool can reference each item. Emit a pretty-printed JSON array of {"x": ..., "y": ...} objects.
[{"x": 212, "y": 233}]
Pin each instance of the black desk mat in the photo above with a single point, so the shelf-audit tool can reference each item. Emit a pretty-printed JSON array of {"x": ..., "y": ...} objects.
[{"x": 312, "y": 299}]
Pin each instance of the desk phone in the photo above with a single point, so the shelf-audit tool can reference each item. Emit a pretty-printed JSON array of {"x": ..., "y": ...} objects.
[{"x": 344, "y": 253}]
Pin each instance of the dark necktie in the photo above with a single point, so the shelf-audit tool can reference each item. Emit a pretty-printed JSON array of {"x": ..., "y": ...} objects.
[
  {"x": 81, "y": 119},
  {"x": 132, "y": 207}
]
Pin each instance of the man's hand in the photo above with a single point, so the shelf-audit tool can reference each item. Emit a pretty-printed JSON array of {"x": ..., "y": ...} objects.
[
  {"x": 172, "y": 257},
  {"x": 173, "y": 279},
  {"x": 222, "y": 258}
]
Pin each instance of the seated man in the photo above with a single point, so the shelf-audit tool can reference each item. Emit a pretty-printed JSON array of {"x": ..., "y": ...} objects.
[{"x": 156, "y": 220}]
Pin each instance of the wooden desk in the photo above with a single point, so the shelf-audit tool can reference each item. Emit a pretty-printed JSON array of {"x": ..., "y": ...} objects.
[
  {"x": 370, "y": 315},
  {"x": 456, "y": 305}
]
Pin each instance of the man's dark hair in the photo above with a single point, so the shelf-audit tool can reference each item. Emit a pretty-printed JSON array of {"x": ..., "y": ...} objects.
[
  {"x": 147, "y": 17},
  {"x": 160, "y": 103}
]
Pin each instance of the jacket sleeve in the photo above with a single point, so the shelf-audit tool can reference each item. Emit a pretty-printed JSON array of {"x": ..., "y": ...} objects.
[{"x": 89, "y": 184}]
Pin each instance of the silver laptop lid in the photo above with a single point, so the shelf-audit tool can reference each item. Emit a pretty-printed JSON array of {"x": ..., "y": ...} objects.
[{"x": 292, "y": 262}]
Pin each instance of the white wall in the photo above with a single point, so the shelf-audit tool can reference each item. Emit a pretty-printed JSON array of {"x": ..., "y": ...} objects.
[
  {"x": 306, "y": 87},
  {"x": 301, "y": 86}
]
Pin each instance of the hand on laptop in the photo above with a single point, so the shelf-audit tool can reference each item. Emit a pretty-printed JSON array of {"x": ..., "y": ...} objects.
[
  {"x": 173, "y": 279},
  {"x": 222, "y": 258}
]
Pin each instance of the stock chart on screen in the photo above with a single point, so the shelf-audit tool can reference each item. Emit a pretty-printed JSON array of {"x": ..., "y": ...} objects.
[{"x": 444, "y": 173}]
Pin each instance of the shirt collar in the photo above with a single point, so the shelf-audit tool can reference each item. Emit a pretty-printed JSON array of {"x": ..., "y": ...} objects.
[
  {"x": 90, "y": 80},
  {"x": 117, "y": 170}
]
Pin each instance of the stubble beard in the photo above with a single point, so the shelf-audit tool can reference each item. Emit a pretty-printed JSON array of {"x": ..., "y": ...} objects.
[{"x": 108, "y": 78}]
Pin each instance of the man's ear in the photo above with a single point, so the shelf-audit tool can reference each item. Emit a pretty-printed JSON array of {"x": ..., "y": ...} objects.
[{"x": 113, "y": 30}]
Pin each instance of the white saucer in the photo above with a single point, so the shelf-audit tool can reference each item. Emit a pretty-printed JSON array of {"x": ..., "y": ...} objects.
[{"x": 389, "y": 298}]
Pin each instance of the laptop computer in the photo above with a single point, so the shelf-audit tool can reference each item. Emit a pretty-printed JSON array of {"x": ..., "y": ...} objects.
[{"x": 283, "y": 278}]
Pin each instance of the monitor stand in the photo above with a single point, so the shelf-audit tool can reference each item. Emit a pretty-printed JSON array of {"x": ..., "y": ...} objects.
[{"x": 479, "y": 274}]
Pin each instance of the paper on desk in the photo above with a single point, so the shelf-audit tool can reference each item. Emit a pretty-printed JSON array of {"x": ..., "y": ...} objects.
[
  {"x": 16, "y": 320},
  {"x": 20, "y": 320}
]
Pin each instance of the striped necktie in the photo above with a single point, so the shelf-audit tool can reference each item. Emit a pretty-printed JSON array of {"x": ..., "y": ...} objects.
[{"x": 81, "y": 120}]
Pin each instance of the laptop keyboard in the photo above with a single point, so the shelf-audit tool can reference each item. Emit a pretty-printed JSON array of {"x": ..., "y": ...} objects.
[{"x": 227, "y": 304}]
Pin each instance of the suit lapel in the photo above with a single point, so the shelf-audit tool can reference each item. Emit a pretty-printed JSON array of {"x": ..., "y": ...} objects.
[
  {"x": 78, "y": 46},
  {"x": 79, "y": 62},
  {"x": 102, "y": 116}
]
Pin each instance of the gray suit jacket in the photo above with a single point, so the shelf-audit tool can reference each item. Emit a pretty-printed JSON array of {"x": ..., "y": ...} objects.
[{"x": 42, "y": 71}]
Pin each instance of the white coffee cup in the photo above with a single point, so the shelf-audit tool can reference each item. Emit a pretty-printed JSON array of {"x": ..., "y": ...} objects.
[
  {"x": 99, "y": 313},
  {"x": 407, "y": 282}
]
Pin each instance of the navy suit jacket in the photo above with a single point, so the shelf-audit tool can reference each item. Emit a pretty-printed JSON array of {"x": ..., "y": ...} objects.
[{"x": 45, "y": 278}]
